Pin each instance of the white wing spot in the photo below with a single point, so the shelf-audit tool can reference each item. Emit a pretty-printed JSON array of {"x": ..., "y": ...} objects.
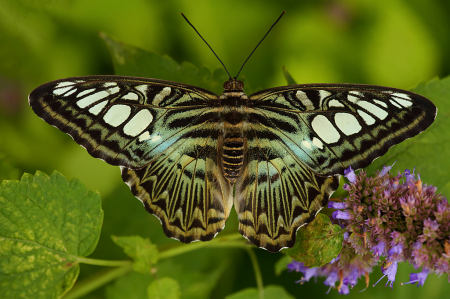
[
  {"x": 85, "y": 92},
  {"x": 161, "y": 95},
  {"x": 60, "y": 91},
  {"x": 323, "y": 94},
  {"x": 117, "y": 114},
  {"x": 90, "y": 99},
  {"x": 369, "y": 120},
  {"x": 305, "y": 100},
  {"x": 395, "y": 104},
  {"x": 357, "y": 93},
  {"x": 401, "y": 95},
  {"x": 352, "y": 98},
  {"x": 402, "y": 99},
  {"x": 64, "y": 84},
  {"x": 70, "y": 92},
  {"x": 307, "y": 144},
  {"x": 110, "y": 84},
  {"x": 335, "y": 103},
  {"x": 138, "y": 123},
  {"x": 325, "y": 129},
  {"x": 347, "y": 123},
  {"x": 130, "y": 96},
  {"x": 317, "y": 142},
  {"x": 142, "y": 88},
  {"x": 373, "y": 109},
  {"x": 144, "y": 136},
  {"x": 381, "y": 103},
  {"x": 98, "y": 108}
]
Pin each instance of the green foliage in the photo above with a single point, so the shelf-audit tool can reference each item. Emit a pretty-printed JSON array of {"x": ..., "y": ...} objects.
[
  {"x": 164, "y": 288},
  {"x": 46, "y": 224},
  {"x": 270, "y": 292},
  {"x": 281, "y": 264},
  {"x": 141, "y": 250},
  {"x": 132, "y": 61},
  {"x": 317, "y": 243}
]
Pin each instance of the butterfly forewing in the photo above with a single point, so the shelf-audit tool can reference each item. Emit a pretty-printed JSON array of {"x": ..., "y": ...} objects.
[
  {"x": 331, "y": 127},
  {"x": 122, "y": 120}
]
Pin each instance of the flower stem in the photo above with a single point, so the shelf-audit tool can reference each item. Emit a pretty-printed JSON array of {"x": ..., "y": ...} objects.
[{"x": 258, "y": 276}]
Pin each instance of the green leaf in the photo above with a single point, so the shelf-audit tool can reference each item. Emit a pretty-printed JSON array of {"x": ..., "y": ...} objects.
[
  {"x": 425, "y": 151},
  {"x": 164, "y": 288},
  {"x": 46, "y": 222},
  {"x": 132, "y": 61},
  {"x": 288, "y": 77},
  {"x": 281, "y": 264},
  {"x": 141, "y": 250},
  {"x": 317, "y": 243},
  {"x": 270, "y": 292}
]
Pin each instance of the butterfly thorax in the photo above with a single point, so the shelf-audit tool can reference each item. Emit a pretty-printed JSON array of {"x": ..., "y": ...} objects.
[{"x": 232, "y": 103}]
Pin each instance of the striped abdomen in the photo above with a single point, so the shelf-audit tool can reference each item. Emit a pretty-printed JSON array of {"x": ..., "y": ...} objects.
[{"x": 233, "y": 154}]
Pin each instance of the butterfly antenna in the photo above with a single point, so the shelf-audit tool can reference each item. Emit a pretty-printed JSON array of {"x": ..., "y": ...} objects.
[
  {"x": 206, "y": 44},
  {"x": 259, "y": 43}
]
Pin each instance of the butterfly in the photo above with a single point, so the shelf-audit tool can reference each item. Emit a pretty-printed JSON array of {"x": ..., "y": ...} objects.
[{"x": 189, "y": 154}]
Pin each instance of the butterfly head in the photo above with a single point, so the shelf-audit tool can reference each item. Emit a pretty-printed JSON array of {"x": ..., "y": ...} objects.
[{"x": 233, "y": 85}]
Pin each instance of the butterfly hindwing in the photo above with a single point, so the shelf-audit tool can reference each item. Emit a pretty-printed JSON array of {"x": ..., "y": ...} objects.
[
  {"x": 333, "y": 126},
  {"x": 185, "y": 187},
  {"x": 276, "y": 193}
]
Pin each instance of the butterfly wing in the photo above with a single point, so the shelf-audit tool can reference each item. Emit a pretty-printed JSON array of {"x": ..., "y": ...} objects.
[
  {"x": 298, "y": 137},
  {"x": 333, "y": 126},
  {"x": 159, "y": 132},
  {"x": 276, "y": 193}
]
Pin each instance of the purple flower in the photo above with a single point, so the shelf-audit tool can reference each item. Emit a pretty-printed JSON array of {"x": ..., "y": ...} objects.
[
  {"x": 349, "y": 173},
  {"x": 336, "y": 205},
  {"x": 389, "y": 270},
  {"x": 296, "y": 266},
  {"x": 331, "y": 279},
  {"x": 385, "y": 170},
  {"x": 378, "y": 249},
  {"x": 395, "y": 252},
  {"x": 410, "y": 178},
  {"x": 396, "y": 218},
  {"x": 308, "y": 273},
  {"x": 417, "y": 277},
  {"x": 340, "y": 215},
  {"x": 343, "y": 289},
  {"x": 352, "y": 278}
]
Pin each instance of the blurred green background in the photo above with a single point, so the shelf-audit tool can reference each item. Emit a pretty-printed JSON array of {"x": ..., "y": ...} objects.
[{"x": 394, "y": 43}]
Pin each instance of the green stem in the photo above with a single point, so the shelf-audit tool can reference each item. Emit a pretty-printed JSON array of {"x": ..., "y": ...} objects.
[
  {"x": 124, "y": 267},
  {"x": 218, "y": 242},
  {"x": 258, "y": 275},
  {"x": 97, "y": 280},
  {"x": 97, "y": 262}
]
